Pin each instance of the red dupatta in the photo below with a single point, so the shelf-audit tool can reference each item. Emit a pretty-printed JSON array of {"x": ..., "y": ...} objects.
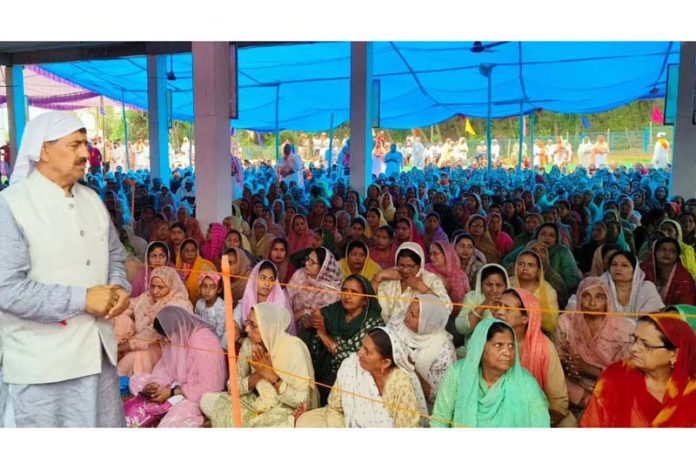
[{"x": 621, "y": 398}]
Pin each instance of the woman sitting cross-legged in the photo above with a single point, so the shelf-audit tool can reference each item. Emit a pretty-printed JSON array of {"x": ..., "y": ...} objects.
[
  {"x": 192, "y": 364},
  {"x": 138, "y": 342},
  {"x": 429, "y": 345},
  {"x": 375, "y": 388},
  {"x": 274, "y": 374},
  {"x": 588, "y": 343},
  {"x": 340, "y": 327}
]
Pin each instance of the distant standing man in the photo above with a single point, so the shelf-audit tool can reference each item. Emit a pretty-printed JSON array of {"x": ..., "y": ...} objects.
[
  {"x": 661, "y": 153},
  {"x": 61, "y": 283}
]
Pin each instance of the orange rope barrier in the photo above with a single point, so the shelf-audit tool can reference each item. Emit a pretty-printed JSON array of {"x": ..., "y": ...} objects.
[{"x": 231, "y": 339}]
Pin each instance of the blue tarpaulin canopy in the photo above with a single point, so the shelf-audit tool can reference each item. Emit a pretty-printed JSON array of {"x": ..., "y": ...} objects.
[{"x": 421, "y": 83}]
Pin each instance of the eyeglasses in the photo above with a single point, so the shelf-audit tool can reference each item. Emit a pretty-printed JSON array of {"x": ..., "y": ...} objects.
[
  {"x": 310, "y": 261},
  {"x": 641, "y": 344},
  {"x": 406, "y": 266}
]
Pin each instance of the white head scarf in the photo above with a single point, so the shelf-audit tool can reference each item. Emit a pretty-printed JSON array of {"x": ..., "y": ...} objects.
[
  {"x": 45, "y": 128},
  {"x": 370, "y": 413},
  {"x": 425, "y": 346}
]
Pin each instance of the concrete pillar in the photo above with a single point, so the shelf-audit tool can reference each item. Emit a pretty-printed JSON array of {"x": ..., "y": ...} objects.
[
  {"x": 361, "y": 116},
  {"x": 211, "y": 96},
  {"x": 684, "y": 144},
  {"x": 16, "y": 109},
  {"x": 157, "y": 117}
]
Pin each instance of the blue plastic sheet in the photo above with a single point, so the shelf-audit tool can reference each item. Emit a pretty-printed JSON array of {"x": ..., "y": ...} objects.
[{"x": 421, "y": 82}]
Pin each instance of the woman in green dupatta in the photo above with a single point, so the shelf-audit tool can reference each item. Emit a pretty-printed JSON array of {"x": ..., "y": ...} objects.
[
  {"x": 489, "y": 388},
  {"x": 340, "y": 327}
]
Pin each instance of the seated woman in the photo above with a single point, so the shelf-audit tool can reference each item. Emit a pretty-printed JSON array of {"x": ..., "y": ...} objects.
[
  {"x": 356, "y": 232},
  {"x": 491, "y": 282},
  {"x": 628, "y": 289},
  {"x": 476, "y": 227},
  {"x": 470, "y": 258},
  {"x": 654, "y": 386},
  {"x": 338, "y": 329},
  {"x": 383, "y": 249},
  {"x": 189, "y": 264},
  {"x": 429, "y": 345},
  {"x": 192, "y": 364},
  {"x": 299, "y": 235},
  {"x": 550, "y": 275},
  {"x": 664, "y": 268},
  {"x": 315, "y": 285},
  {"x": 600, "y": 259},
  {"x": 279, "y": 254},
  {"x": 381, "y": 371},
  {"x": 585, "y": 252},
  {"x": 374, "y": 219},
  {"x": 358, "y": 261},
  {"x": 562, "y": 260},
  {"x": 138, "y": 342},
  {"x": 235, "y": 239},
  {"x": 673, "y": 229},
  {"x": 502, "y": 240},
  {"x": 260, "y": 238},
  {"x": 529, "y": 275},
  {"x": 444, "y": 262},
  {"x": 274, "y": 374},
  {"x": 490, "y": 388},
  {"x": 538, "y": 355},
  {"x": 240, "y": 267},
  {"x": 262, "y": 287},
  {"x": 211, "y": 307},
  {"x": 433, "y": 229},
  {"x": 405, "y": 232},
  {"x": 157, "y": 255},
  {"x": 588, "y": 343},
  {"x": 398, "y": 286},
  {"x": 329, "y": 225}
]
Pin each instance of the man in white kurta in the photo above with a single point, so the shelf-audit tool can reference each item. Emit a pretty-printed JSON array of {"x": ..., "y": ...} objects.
[
  {"x": 661, "y": 152},
  {"x": 60, "y": 284}
]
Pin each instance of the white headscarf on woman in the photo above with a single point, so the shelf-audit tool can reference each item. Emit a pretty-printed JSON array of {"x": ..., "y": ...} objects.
[
  {"x": 426, "y": 345},
  {"x": 370, "y": 413},
  {"x": 44, "y": 128}
]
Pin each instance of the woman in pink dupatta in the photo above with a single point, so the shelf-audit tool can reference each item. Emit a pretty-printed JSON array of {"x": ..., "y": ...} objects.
[
  {"x": 588, "y": 343},
  {"x": 406, "y": 232},
  {"x": 214, "y": 243},
  {"x": 138, "y": 342},
  {"x": 502, "y": 240},
  {"x": 156, "y": 255},
  {"x": 299, "y": 236},
  {"x": 254, "y": 295},
  {"x": 444, "y": 262},
  {"x": 192, "y": 364}
]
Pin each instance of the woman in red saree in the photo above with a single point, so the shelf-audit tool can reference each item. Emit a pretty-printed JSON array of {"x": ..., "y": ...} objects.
[{"x": 655, "y": 386}]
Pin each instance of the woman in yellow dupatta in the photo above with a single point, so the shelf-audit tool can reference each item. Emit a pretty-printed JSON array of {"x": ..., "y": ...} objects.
[
  {"x": 529, "y": 275},
  {"x": 189, "y": 264},
  {"x": 357, "y": 261}
]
